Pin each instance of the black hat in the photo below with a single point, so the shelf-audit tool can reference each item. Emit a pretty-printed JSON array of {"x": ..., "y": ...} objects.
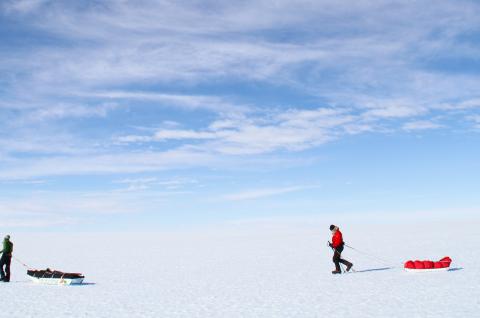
[{"x": 332, "y": 227}]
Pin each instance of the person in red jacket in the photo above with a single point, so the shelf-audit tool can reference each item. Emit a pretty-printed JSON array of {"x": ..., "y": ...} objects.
[{"x": 337, "y": 247}]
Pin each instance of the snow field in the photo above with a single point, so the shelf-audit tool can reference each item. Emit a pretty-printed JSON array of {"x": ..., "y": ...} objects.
[{"x": 250, "y": 270}]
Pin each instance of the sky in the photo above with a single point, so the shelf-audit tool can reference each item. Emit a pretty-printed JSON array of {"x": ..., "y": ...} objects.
[{"x": 145, "y": 115}]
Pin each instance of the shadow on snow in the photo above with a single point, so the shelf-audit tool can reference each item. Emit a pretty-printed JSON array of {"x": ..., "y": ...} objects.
[
  {"x": 373, "y": 270},
  {"x": 83, "y": 284}
]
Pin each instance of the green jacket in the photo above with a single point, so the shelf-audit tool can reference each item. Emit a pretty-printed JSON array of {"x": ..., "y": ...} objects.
[{"x": 7, "y": 247}]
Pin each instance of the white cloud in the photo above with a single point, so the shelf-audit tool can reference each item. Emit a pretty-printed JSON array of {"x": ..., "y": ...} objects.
[
  {"x": 293, "y": 129},
  {"x": 475, "y": 119},
  {"x": 26, "y": 181},
  {"x": 182, "y": 134},
  {"x": 462, "y": 105},
  {"x": 139, "y": 184},
  {"x": 261, "y": 193},
  {"x": 23, "y": 6},
  {"x": 62, "y": 111},
  {"x": 392, "y": 109},
  {"x": 164, "y": 134},
  {"x": 164, "y": 42},
  {"x": 421, "y": 125},
  {"x": 34, "y": 142},
  {"x": 191, "y": 102},
  {"x": 392, "y": 112},
  {"x": 111, "y": 163}
]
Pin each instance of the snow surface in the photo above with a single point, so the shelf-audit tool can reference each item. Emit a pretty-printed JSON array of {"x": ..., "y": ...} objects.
[{"x": 264, "y": 269}]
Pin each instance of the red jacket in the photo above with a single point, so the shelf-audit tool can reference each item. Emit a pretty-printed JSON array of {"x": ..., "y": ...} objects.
[{"x": 337, "y": 239}]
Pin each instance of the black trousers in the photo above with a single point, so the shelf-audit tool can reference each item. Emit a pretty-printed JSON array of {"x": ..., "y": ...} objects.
[
  {"x": 5, "y": 260},
  {"x": 337, "y": 259}
]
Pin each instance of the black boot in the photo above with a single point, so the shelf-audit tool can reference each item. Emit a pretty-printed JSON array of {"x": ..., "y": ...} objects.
[
  {"x": 349, "y": 266},
  {"x": 336, "y": 272}
]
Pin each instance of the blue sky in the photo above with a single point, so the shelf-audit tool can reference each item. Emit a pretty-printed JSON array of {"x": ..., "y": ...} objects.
[{"x": 152, "y": 114}]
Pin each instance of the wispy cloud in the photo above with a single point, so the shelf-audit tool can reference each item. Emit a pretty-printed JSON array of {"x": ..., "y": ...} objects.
[
  {"x": 62, "y": 111},
  {"x": 192, "y": 102},
  {"x": 122, "y": 162},
  {"x": 390, "y": 109},
  {"x": 120, "y": 44},
  {"x": 475, "y": 119},
  {"x": 174, "y": 184},
  {"x": 22, "y": 6},
  {"x": 421, "y": 125},
  {"x": 466, "y": 104},
  {"x": 288, "y": 130},
  {"x": 262, "y": 193},
  {"x": 27, "y": 181},
  {"x": 162, "y": 135},
  {"x": 124, "y": 43}
]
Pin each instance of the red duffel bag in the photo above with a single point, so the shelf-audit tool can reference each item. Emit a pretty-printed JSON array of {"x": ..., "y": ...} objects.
[
  {"x": 446, "y": 261},
  {"x": 409, "y": 264},
  {"x": 438, "y": 265},
  {"x": 427, "y": 264},
  {"x": 419, "y": 265}
]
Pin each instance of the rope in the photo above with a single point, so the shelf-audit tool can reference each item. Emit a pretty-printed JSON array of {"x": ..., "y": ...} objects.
[
  {"x": 22, "y": 263},
  {"x": 385, "y": 262}
]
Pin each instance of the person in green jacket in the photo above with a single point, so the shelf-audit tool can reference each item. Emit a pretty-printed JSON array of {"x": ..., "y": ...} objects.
[{"x": 6, "y": 259}]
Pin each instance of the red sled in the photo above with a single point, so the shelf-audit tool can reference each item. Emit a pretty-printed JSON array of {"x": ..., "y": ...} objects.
[{"x": 428, "y": 266}]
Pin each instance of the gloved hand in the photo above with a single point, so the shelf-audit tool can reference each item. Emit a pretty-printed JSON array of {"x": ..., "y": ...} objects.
[{"x": 330, "y": 244}]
